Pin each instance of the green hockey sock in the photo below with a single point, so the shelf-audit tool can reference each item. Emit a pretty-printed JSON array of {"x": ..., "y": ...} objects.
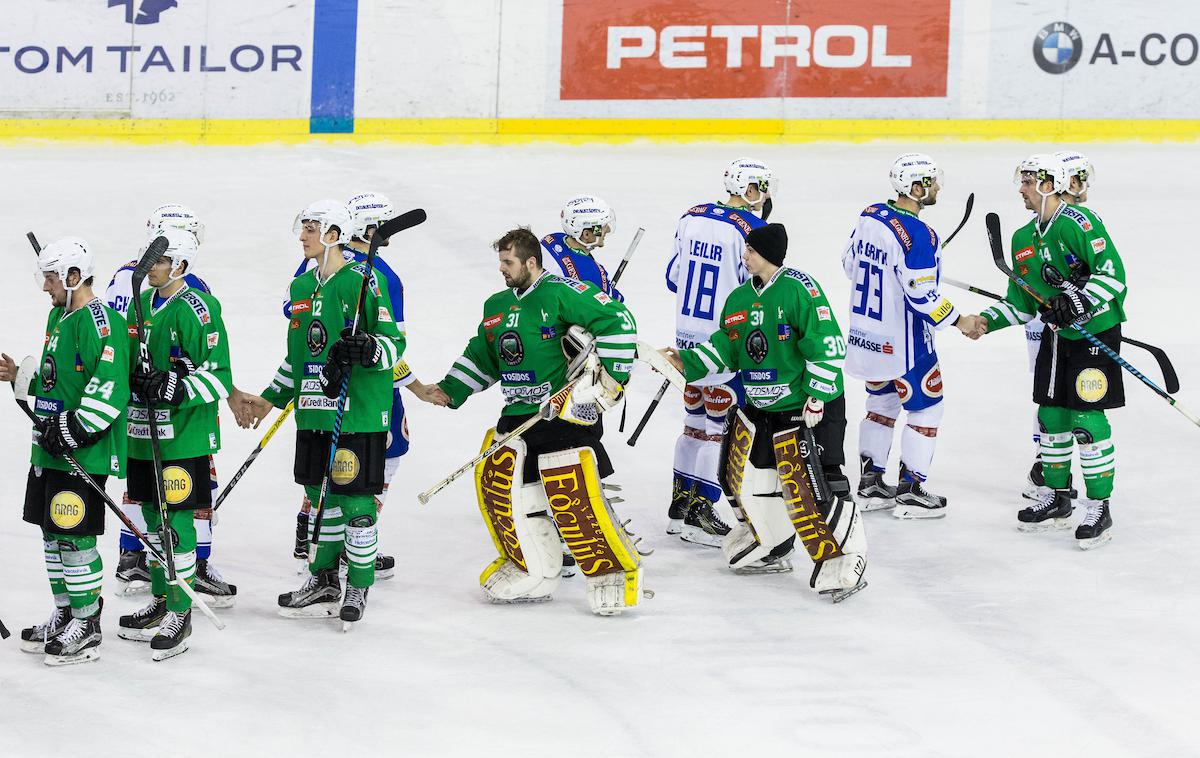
[
  {"x": 1097, "y": 455},
  {"x": 54, "y": 569},
  {"x": 83, "y": 573},
  {"x": 362, "y": 538},
  {"x": 183, "y": 528},
  {"x": 333, "y": 529},
  {"x": 1057, "y": 446}
]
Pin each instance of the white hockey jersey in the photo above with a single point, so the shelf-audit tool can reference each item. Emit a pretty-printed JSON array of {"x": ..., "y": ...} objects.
[
  {"x": 706, "y": 267},
  {"x": 893, "y": 260}
]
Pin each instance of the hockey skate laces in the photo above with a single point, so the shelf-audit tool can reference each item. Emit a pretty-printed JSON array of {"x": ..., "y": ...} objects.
[
  {"x": 1095, "y": 511},
  {"x": 74, "y": 631}
]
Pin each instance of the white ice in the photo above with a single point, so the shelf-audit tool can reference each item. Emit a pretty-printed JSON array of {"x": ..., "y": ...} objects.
[{"x": 972, "y": 639}]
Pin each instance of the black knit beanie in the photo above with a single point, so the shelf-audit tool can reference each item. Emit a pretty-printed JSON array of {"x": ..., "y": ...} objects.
[{"x": 770, "y": 242}]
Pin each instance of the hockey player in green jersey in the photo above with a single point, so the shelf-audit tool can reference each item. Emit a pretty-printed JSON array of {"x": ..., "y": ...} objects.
[
  {"x": 323, "y": 351},
  {"x": 549, "y": 476},
  {"x": 188, "y": 375},
  {"x": 778, "y": 331},
  {"x": 81, "y": 394},
  {"x": 1066, "y": 255}
]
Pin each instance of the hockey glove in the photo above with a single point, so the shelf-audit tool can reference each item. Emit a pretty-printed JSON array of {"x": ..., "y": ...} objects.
[
  {"x": 1065, "y": 308},
  {"x": 63, "y": 433},
  {"x": 357, "y": 347},
  {"x": 162, "y": 386},
  {"x": 333, "y": 373},
  {"x": 814, "y": 411}
]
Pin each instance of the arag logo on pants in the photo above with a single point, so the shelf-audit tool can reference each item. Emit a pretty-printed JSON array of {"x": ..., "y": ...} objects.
[
  {"x": 143, "y": 11},
  {"x": 1057, "y": 47}
]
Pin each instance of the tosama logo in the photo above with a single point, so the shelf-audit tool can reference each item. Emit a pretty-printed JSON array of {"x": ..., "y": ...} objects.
[
  {"x": 1057, "y": 47},
  {"x": 143, "y": 11}
]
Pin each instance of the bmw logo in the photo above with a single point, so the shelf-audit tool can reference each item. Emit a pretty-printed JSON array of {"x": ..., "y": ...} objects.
[{"x": 1057, "y": 47}]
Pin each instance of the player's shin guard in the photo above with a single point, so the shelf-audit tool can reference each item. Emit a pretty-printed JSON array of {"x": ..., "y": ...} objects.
[
  {"x": 829, "y": 527},
  {"x": 597, "y": 539},
  {"x": 530, "y": 561},
  {"x": 83, "y": 572},
  {"x": 362, "y": 541},
  {"x": 764, "y": 536}
]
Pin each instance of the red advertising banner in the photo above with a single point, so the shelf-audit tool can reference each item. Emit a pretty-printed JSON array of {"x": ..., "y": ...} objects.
[{"x": 694, "y": 49}]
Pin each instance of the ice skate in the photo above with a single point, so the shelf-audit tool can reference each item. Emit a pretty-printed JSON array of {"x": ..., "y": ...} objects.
[
  {"x": 873, "y": 494},
  {"x": 839, "y": 595},
  {"x": 702, "y": 525},
  {"x": 1096, "y": 527},
  {"x": 913, "y": 501},
  {"x": 142, "y": 624},
  {"x": 300, "y": 548},
  {"x": 569, "y": 566},
  {"x": 678, "y": 509},
  {"x": 1047, "y": 514},
  {"x": 766, "y": 565},
  {"x": 172, "y": 636},
  {"x": 385, "y": 566},
  {"x": 133, "y": 573},
  {"x": 1035, "y": 484},
  {"x": 318, "y": 597},
  {"x": 34, "y": 638},
  {"x": 78, "y": 642},
  {"x": 354, "y": 605},
  {"x": 217, "y": 592}
]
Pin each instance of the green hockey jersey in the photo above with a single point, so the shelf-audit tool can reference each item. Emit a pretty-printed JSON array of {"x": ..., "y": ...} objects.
[
  {"x": 781, "y": 337},
  {"x": 320, "y": 310},
  {"x": 187, "y": 324},
  {"x": 518, "y": 342},
  {"x": 1074, "y": 242},
  {"x": 85, "y": 368}
]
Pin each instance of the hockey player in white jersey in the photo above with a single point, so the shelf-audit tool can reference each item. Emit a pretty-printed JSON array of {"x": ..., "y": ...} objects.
[
  {"x": 133, "y": 573},
  {"x": 894, "y": 262},
  {"x": 707, "y": 265},
  {"x": 1079, "y": 173}
]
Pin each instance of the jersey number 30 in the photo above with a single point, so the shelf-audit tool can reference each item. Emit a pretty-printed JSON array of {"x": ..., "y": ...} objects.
[{"x": 869, "y": 286}]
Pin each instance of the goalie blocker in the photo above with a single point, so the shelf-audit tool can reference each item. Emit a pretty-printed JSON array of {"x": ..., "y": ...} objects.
[
  {"x": 772, "y": 472},
  {"x": 525, "y": 519}
]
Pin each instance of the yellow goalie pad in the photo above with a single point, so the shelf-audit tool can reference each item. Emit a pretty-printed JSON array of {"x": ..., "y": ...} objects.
[
  {"x": 497, "y": 479},
  {"x": 600, "y": 545}
]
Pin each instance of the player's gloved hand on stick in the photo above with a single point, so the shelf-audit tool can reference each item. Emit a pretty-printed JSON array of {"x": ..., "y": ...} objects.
[
  {"x": 162, "y": 386},
  {"x": 814, "y": 411},
  {"x": 356, "y": 347},
  {"x": 63, "y": 433},
  {"x": 596, "y": 386},
  {"x": 333, "y": 373},
  {"x": 1065, "y": 308}
]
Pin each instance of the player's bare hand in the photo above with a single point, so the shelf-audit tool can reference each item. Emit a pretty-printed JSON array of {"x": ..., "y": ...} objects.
[
  {"x": 672, "y": 355},
  {"x": 429, "y": 393},
  {"x": 972, "y": 327},
  {"x": 8, "y": 368}
]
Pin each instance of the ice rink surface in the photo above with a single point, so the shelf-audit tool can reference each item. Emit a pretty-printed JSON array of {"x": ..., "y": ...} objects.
[{"x": 972, "y": 639}]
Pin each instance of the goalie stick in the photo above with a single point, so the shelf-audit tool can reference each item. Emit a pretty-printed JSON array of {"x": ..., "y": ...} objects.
[
  {"x": 20, "y": 387},
  {"x": 992, "y": 221}
]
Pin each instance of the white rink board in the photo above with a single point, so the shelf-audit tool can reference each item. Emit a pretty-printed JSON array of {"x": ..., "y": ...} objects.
[{"x": 972, "y": 639}]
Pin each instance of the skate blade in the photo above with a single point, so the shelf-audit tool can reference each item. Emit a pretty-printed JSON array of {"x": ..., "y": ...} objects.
[
  {"x": 675, "y": 526},
  {"x": 778, "y": 567},
  {"x": 314, "y": 611},
  {"x": 1049, "y": 525},
  {"x": 518, "y": 600},
  {"x": 132, "y": 589},
  {"x": 137, "y": 635},
  {"x": 1094, "y": 542},
  {"x": 162, "y": 655},
  {"x": 567, "y": 573},
  {"x": 867, "y": 504},
  {"x": 33, "y": 646},
  {"x": 217, "y": 601},
  {"x": 91, "y": 654},
  {"x": 698, "y": 536},
  {"x": 909, "y": 512},
  {"x": 381, "y": 575},
  {"x": 840, "y": 595},
  {"x": 347, "y": 626}
]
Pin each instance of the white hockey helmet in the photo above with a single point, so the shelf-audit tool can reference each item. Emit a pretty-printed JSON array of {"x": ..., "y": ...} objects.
[
  {"x": 743, "y": 172},
  {"x": 369, "y": 209},
  {"x": 1045, "y": 167},
  {"x": 62, "y": 255},
  {"x": 175, "y": 216},
  {"x": 329, "y": 214},
  {"x": 182, "y": 247},
  {"x": 584, "y": 212},
  {"x": 1077, "y": 166},
  {"x": 914, "y": 168}
]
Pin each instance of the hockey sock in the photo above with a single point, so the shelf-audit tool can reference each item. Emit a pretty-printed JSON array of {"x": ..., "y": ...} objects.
[
  {"x": 54, "y": 569},
  {"x": 875, "y": 430},
  {"x": 204, "y": 532},
  {"x": 1057, "y": 446},
  {"x": 919, "y": 438},
  {"x": 133, "y": 511},
  {"x": 1097, "y": 456},
  {"x": 83, "y": 573},
  {"x": 333, "y": 529},
  {"x": 708, "y": 458},
  {"x": 182, "y": 527},
  {"x": 362, "y": 538},
  {"x": 1037, "y": 436}
]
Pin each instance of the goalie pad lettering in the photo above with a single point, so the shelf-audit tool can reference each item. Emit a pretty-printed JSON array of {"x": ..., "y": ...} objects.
[
  {"x": 585, "y": 519},
  {"x": 804, "y": 492},
  {"x": 764, "y": 528}
]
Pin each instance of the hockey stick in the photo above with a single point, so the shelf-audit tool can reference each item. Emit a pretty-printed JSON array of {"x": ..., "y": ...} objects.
[
  {"x": 287, "y": 410},
  {"x": 992, "y": 222},
  {"x": 3, "y": 631},
  {"x": 1170, "y": 378},
  {"x": 961, "y": 224},
  {"x": 37, "y": 249},
  {"x": 637, "y": 237},
  {"x": 20, "y": 387},
  {"x": 658, "y": 396},
  {"x": 382, "y": 233}
]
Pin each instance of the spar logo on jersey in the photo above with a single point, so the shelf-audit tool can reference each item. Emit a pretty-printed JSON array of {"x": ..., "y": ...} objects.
[
  {"x": 49, "y": 373},
  {"x": 512, "y": 351},
  {"x": 1057, "y": 47},
  {"x": 317, "y": 337},
  {"x": 756, "y": 346},
  {"x": 143, "y": 11}
]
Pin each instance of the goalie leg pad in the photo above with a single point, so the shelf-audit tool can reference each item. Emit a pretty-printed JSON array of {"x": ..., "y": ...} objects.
[
  {"x": 591, "y": 530},
  {"x": 845, "y": 571},
  {"x": 530, "y": 560},
  {"x": 761, "y": 540}
]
